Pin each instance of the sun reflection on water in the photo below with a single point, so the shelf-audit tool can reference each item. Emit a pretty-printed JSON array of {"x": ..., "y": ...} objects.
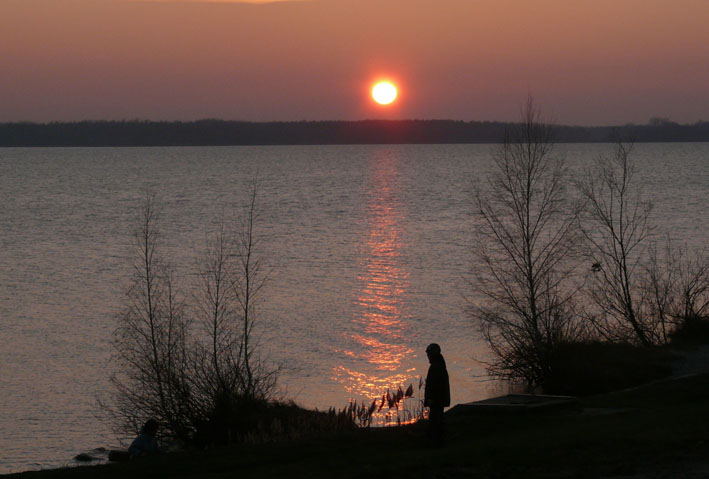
[{"x": 380, "y": 356}]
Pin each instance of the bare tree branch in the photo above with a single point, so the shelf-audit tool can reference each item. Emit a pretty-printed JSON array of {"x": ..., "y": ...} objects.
[
  {"x": 526, "y": 240},
  {"x": 616, "y": 228}
]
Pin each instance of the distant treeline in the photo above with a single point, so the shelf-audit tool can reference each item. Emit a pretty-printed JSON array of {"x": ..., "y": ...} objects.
[{"x": 220, "y": 132}]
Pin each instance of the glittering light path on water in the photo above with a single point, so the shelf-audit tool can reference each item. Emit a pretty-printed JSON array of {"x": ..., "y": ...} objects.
[{"x": 380, "y": 357}]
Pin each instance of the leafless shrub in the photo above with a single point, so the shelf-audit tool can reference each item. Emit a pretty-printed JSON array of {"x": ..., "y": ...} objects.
[
  {"x": 150, "y": 342},
  {"x": 247, "y": 280},
  {"x": 616, "y": 227},
  {"x": 193, "y": 367},
  {"x": 231, "y": 378},
  {"x": 677, "y": 286},
  {"x": 216, "y": 359},
  {"x": 526, "y": 240},
  {"x": 692, "y": 284},
  {"x": 660, "y": 290}
]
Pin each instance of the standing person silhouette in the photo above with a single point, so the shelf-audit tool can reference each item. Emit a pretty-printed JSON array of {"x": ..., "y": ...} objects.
[{"x": 437, "y": 394}]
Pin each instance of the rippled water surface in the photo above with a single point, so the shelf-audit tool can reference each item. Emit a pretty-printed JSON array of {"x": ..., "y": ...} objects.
[{"x": 369, "y": 248}]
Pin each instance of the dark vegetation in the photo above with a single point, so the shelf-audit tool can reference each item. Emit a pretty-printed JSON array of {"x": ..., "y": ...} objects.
[
  {"x": 525, "y": 241},
  {"x": 220, "y": 132},
  {"x": 588, "y": 367},
  {"x": 657, "y": 430},
  {"x": 694, "y": 331},
  {"x": 185, "y": 355},
  {"x": 578, "y": 295},
  {"x": 593, "y": 367}
]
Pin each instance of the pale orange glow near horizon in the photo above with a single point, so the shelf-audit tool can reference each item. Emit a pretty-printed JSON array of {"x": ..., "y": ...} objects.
[
  {"x": 591, "y": 62},
  {"x": 217, "y": 1}
]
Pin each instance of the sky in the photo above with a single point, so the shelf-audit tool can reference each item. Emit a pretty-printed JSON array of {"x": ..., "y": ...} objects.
[{"x": 586, "y": 62}]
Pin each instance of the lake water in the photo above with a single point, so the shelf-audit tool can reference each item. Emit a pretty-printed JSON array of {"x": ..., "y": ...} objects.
[{"x": 369, "y": 248}]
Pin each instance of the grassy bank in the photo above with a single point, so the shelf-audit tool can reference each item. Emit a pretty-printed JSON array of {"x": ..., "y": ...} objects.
[{"x": 656, "y": 430}]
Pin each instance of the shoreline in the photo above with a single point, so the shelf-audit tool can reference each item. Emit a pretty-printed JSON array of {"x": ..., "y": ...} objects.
[{"x": 647, "y": 432}]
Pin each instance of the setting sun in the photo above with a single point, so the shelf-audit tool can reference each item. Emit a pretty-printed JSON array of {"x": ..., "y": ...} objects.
[{"x": 384, "y": 93}]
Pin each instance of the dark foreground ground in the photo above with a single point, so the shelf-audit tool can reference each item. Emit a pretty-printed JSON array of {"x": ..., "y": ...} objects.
[{"x": 658, "y": 430}]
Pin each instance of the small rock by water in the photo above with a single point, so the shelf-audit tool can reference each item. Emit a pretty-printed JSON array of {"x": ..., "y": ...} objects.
[{"x": 83, "y": 457}]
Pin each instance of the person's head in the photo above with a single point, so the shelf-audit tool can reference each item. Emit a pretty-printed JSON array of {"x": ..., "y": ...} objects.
[
  {"x": 433, "y": 351},
  {"x": 150, "y": 427}
]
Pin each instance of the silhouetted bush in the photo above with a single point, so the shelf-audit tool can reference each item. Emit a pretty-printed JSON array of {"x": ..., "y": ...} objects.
[
  {"x": 693, "y": 331},
  {"x": 192, "y": 366},
  {"x": 526, "y": 245},
  {"x": 617, "y": 229},
  {"x": 594, "y": 367},
  {"x": 255, "y": 421}
]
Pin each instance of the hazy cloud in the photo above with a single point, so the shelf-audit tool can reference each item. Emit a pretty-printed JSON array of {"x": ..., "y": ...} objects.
[{"x": 220, "y": 1}]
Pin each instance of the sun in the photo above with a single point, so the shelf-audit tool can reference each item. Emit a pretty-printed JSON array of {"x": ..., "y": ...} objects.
[{"x": 384, "y": 93}]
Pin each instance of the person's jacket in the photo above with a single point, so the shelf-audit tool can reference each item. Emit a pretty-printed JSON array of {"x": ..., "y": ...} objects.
[{"x": 437, "y": 392}]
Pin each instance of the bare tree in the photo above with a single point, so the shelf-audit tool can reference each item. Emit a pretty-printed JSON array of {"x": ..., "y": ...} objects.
[
  {"x": 199, "y": 383},
  {"x": 231, "y": 380},
  {"x": 692, "y": 285},
  {"x": 526, "y": 239},
  {"x": 247, "y": 280},
  {"x": 218, "y": 364},
  {"x": 151, "y": 340},
  {"x": 616, "y": 228},
  {"x": 661, "y": 289}
]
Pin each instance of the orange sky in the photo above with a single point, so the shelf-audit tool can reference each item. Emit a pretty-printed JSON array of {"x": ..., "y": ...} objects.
[{"x": 586, "y": 62}]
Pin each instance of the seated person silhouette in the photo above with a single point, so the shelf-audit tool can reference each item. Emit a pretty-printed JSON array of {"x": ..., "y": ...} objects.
[{"x": 146, "y": 444}]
